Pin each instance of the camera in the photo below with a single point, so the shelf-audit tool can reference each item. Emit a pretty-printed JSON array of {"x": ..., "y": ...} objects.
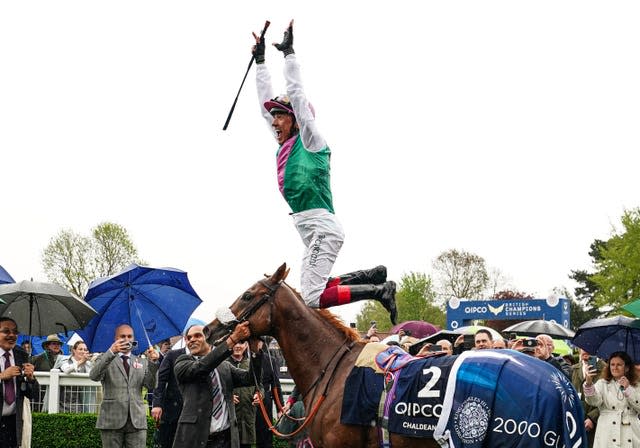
[
  {"x": 130, "y": 344},
  {"x": 373, "y": 323},
  {"x": 529, "y": 345}
]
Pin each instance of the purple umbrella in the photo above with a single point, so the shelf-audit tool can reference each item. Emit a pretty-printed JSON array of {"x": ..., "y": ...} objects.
[{"x": 418, "y": 328}]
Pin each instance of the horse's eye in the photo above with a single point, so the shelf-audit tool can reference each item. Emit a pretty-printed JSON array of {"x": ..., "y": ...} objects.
[{"x": 247, "y": 296}]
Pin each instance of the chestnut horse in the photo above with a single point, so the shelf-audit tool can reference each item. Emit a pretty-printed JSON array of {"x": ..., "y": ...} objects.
[
  {"x": 312, "y": 342},
  {"x": 320, "y": 352}
]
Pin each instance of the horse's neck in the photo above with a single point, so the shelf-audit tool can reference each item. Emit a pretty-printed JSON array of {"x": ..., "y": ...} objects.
[{"x": 308, "y": 343}]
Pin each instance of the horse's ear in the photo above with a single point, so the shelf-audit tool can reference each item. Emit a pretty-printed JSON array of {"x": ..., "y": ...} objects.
[{"x": 281, "y": 273}]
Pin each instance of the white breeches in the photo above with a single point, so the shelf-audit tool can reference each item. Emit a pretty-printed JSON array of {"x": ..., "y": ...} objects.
[{"x": 322, "y": 234}]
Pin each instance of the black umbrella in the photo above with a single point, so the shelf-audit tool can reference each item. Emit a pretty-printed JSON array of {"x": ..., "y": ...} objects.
[
  {"x": 602, "y": 337},
  {"x": 43, "y": 308},
  {"x": 536, "y": 327}
]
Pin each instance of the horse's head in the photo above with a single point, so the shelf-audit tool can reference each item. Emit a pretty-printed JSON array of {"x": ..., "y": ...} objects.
[{"x": 254, "y": 305}]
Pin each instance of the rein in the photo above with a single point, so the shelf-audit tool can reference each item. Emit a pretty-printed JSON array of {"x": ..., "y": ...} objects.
[{"x": 344, "y": 348}]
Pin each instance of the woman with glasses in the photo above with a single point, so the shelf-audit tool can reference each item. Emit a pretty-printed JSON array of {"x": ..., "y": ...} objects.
[{"x": 76, "y": 399}]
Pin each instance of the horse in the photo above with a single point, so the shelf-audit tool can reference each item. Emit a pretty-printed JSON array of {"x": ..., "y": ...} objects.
[{"x": 320, "y": 352}]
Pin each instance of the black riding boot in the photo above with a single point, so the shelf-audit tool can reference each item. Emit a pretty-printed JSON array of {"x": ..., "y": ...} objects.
[
  {"x": 385, "y": 294},
  {"x": 375, "y": 276}
]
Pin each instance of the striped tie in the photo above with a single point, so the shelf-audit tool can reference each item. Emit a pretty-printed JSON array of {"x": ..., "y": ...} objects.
[{"x": 216, "y": 395}]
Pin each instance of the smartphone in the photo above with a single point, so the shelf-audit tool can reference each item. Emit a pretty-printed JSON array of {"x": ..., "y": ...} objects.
[
  {"x": 373, "y": 323},
  {"x": 593, "y": 362},
  {"x": 435, "y": 348},
  {"x": 469, "y": 340}
]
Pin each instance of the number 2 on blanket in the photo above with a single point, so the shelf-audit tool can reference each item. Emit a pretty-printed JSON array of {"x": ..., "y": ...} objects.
[{"x": 426, "y": 391}]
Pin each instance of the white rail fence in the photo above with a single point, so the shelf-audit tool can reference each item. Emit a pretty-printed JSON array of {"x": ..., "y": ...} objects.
[{"x": 77, "y": 393}]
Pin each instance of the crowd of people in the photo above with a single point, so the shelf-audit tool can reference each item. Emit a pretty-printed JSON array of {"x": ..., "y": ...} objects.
[
  {"x": 207, "y": 396},
  {"x": 609, "y": 390}
]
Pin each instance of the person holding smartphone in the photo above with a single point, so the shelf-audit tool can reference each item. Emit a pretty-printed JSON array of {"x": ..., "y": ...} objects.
[
  {"x": 617, "y": 396},
  {"x": 578, "y": 373},
  {"x": 122, "y": 419}
]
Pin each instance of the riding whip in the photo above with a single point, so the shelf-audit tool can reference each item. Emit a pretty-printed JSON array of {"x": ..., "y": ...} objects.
[{"x": 233, "y": 106}]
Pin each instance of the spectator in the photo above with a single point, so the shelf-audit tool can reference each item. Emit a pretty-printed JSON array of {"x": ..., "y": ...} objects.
[
  {"x": 243, "y": 398},
  {"x": 52, "y": 347},
  {"x": 295, "y": 410},
  {"x": 18, "y": 382},
  {"x": 616, "y": 396},
  {"x": 565, "y": 366},
  {"x": 543, "y": 352},
  {"x": 444, "y": 345},
  {"x": 483, "y": 339},
  {"x": 163, "y": 347},
  {"x": 271, "y": 386},
  {"x": 72, "y": 398},
  {"x": 372, "y": 333},
  {"x": 122, "y": 419},
  {"x": 167, "y": 400},
  {"x": 26, "y": 346},
  {"x": 499, "y": 343},
  {"x": 578, "y": 377},
  {"x": 44, "y": 362},
  {"x": 407, "y": 342},
  {"x": 208, "y": 415}
]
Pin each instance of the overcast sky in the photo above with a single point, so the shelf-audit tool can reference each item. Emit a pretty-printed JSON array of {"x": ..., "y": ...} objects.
[{"x": 505, "y": 128}]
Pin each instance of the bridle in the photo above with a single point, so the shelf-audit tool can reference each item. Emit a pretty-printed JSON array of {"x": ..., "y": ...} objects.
[
  {"x": 334, "y": 360},
  {"x": 250, "y": 310}
]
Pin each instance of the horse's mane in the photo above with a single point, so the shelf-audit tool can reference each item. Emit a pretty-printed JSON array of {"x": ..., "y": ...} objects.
[{"x": 332, "y": 319}]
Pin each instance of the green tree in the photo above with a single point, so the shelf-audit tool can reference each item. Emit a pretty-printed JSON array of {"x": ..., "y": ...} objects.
[
  {"x": 617, "y": 275},
  {"x": 461, "y": 274},
  {"x": 73, "y": 260},
  {"x": 67, "y": 261},
  {"x": 416, "y": 300},
  {"x": 113, "y": 248}
]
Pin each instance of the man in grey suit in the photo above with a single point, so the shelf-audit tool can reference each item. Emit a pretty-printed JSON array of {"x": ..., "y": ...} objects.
[
  {"x": 208, "y": 416},
  {"x": 122, "y": 420},
  {"x": 16, "y": 383}
]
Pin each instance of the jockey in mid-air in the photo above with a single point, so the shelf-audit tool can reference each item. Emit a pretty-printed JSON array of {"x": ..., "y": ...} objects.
[{"x": 303, "y": 171}]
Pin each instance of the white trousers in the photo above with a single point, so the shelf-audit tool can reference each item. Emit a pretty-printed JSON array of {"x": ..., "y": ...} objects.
[{"x": 322, "y": 234}]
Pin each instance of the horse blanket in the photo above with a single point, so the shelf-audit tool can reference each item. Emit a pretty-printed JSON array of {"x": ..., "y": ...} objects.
[{"x": 496, "y": 398}]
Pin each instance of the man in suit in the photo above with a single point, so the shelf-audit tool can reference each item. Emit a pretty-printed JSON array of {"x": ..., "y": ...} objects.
[
  {"x": 208, "y": 417},
  {"x": 122, "y": 420},
  {"x": 167, "y": 400},
  {"x": 17, "y": 382}
]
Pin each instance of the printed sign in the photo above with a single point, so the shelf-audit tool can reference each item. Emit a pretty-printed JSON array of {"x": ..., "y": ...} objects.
[{"x": 461, "y": 312}]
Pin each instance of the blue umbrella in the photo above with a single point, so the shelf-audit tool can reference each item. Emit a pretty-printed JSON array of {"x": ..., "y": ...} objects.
[
  {"x": 602, "y": 337},
  {"x": 155, "y": 302},
  {"x": 5, "y": 277}
]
